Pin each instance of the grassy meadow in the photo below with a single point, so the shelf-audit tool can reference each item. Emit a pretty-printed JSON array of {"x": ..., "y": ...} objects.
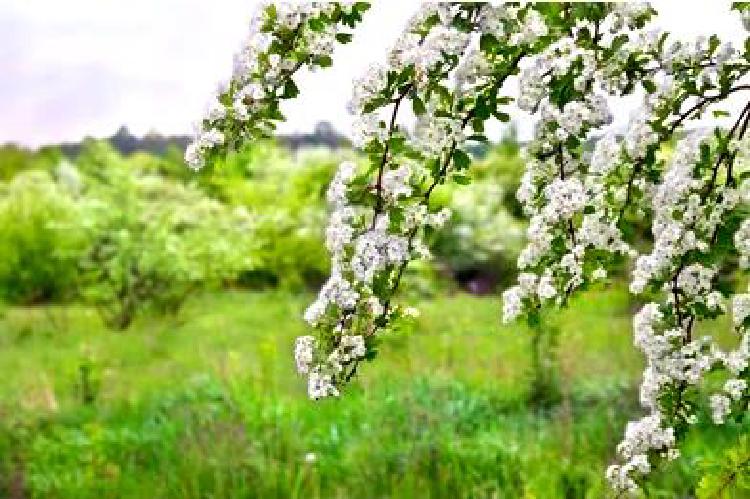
[
  {"x": 147, "y": 324},
  {"x": 207, "y": 405}
]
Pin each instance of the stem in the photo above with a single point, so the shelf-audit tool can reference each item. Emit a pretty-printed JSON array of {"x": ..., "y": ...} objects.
[
  {"x": 384, "y": 159},
  {"x": 725, "y": 153},
  {"x": 707, "y": 100}
]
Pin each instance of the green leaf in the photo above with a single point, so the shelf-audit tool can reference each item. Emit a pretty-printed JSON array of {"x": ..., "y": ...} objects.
[
  {"x": 713, "y": 43},
  {"x": 504, "y": 117},
  {"x": 444, "y": 94},
  {"x": 477, "y": 125},
  {"x": 481, "y": 109},
  {"x": 361, "y": 6},
  {"x": 618, "y": 42},
  {"x": 461, "y": 179},
  {"x": 461, "y": 160},
  {"x": 343, "y": 37},
  {"x": 418, "y": 106},
  {"x": 488, "y": 43},
  {"x": 316, "y": 24},
  {"x": 705, "y": 150},
  {"x": 478, "y": 138},
  {"x": 397, "y": 143},
  {"x": 325, "y": 61},
  {"x": 372, "y": 105},
  {"x": 290, "y": 90}
]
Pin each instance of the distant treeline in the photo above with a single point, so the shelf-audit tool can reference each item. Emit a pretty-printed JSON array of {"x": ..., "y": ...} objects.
[
  {"x": 124, "y": 142},
  {"x": 324, "y": 134}
]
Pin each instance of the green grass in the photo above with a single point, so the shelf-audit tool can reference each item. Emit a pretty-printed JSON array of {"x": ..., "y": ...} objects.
[{"x": 209, "y": 406}]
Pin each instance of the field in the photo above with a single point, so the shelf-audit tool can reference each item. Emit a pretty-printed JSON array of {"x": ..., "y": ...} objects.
[{"x": 208, "y": 405}]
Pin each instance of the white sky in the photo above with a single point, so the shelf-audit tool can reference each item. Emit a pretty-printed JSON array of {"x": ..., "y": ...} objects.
[{"x": 84, "y": 67}]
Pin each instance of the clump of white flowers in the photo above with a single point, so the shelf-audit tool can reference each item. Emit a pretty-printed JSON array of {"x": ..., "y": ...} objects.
[
  {"x": 641, "y": 437},
  {"x": 377, "y": 221},
  {"x": 570, "y": 217},
  {"x": 579, "y": 201},
  {"x": 284, "y": 37},
  {"x": 690, "y": 206}
]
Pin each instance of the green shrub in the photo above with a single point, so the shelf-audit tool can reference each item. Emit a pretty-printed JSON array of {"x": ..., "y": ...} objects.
[
  {"x": 131, "y": 215},
  {"x": 41, "y": 239},
  {"x": 155, "y": 241},
  {"x": 285, "y": 194},
  {"x": 481, "y": 242},
  {"x": 15, "y": 159}
]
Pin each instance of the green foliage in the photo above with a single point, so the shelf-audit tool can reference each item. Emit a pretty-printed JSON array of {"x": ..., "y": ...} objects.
[
  {"x": 41, "y": 239},
  {"x": 155, "y": 241},
  {"x": 147, "y": 231},
  {"x": 292, "y": 233},
  {"x": 15, "y": 159},
  {"x": 727, "y": 476},
  {"x": 124, "y": 233},
  {"x": 285, "y": 196}
]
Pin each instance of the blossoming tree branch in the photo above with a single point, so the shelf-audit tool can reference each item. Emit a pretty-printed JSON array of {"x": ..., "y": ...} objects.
[{"x": 583, "y": 190}]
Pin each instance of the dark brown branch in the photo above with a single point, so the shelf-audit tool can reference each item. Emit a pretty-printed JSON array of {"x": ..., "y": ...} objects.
[
  {"x": 725, "y": 154},
  {"x": 386, "y": 150}
]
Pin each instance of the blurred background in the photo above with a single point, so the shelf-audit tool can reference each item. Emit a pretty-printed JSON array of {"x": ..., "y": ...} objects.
[{"x": 148, "y": 312}]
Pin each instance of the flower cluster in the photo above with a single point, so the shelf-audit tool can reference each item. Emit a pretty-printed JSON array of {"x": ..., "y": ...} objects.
[
  {"x": 284, "y": 37},
  {"x": 378, "y": 217},
  {"x": 368, "y": 246},
  {"x": 617, "y": 176},
  {"x": 641, "y": 437},
  {"x": 689, "y": 208},
  {"x": 680, "y": 216},
  {"x": 560, "y": 188},
  {"x": 579, "y": 201}
]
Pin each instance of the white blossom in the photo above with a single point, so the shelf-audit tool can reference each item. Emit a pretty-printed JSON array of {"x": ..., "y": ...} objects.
[
  {"x": 303, "y": 353},
  {"x": 512, "y": 303},
  {"x": 735, "y": 388},
  {"x": 396, "y": 183},
  {"x": 740, "y": 308},
  {"x": 260, "y": 72},
  {"x": 320, "y": 385},
  {"x": 720, "y": 408}
]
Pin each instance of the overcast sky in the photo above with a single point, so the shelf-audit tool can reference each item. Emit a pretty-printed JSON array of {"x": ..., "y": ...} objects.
[{"x": 84, "y": 67}]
